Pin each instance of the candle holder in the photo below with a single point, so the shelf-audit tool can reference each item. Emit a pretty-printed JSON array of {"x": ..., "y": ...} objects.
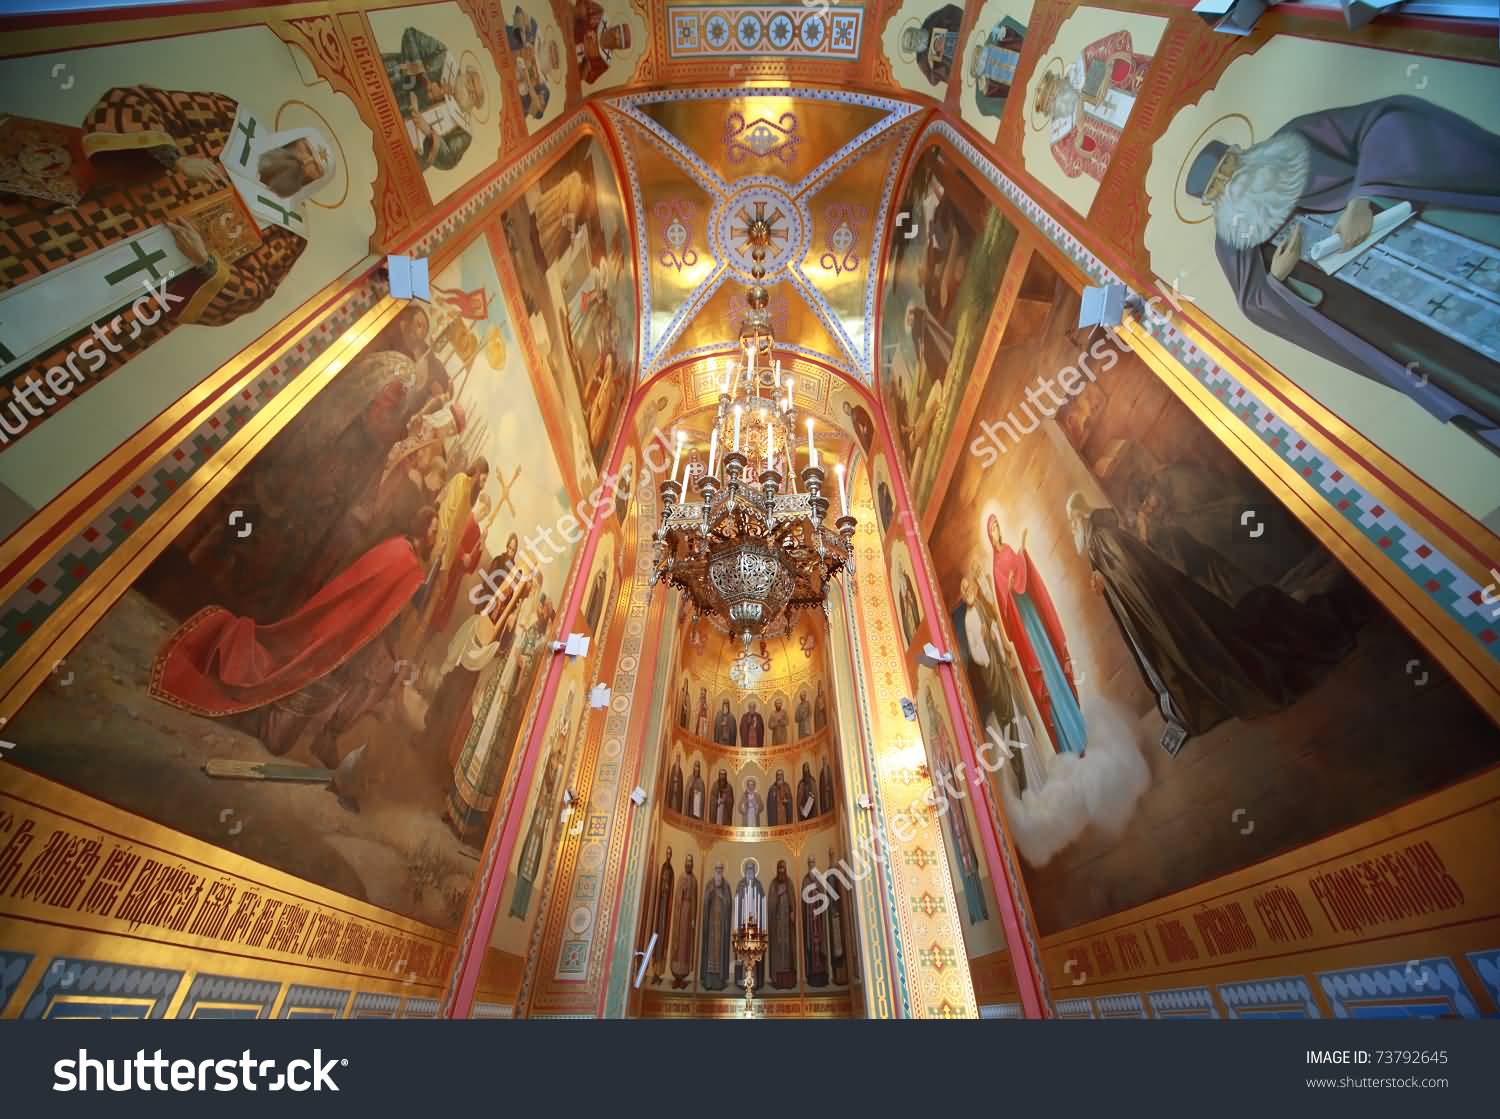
[
  {"x": 671, "y": 492},
  {"x": 708, "y": 486},
  {"x": 846, "y": 526},
  {"x": 770, "y": 483},
  {"x": 750, "y": 942},
  {"x": 734, "y": 466},
  {"x": 812, "y": 479}
]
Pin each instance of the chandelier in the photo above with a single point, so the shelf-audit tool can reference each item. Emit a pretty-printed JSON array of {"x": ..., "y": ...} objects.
[{"x": 754, "y": 550}]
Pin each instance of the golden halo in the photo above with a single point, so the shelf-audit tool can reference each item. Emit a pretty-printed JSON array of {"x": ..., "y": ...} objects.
[
  {"x": 474, "y": 112},
  {"x": 1031, "y": 99},
  {"x": 333, "y": 138},
  {"x": 1179, "y": 188},
  {"x": 751, "y": 861},
  {"x": 553, "y": 74},
  {"x": 901, "y": 36}
]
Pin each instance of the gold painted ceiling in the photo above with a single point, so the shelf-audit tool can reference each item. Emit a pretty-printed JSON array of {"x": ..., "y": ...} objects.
[{"x": 819, "y": 166}]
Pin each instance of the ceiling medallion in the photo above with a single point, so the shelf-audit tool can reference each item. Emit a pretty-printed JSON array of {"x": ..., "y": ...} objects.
[
  {"x": 749, "y": 555},
  {"x": 758, "y": 202}
]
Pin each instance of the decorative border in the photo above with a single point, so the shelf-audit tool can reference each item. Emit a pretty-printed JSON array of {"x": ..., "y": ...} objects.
[
  {"x": 1286, "y": 997},
  {"x": 252, "y": 998},
  {"x": 1073, "y": 1008},
  {"x": 141, "y": 992},
  {"x": 1183, "y": 1002},
  {"x": 1429, "y": 988},
  {"x": 693, "y": 28},
  {"x": 313, "y": 1002}
]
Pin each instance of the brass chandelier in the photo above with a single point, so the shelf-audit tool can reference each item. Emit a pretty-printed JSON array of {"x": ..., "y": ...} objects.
[{"x": 750, "y": 553}]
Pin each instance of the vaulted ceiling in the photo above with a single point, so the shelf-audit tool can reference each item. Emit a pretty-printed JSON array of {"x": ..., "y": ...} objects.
[{"x": 818, "y": 165}]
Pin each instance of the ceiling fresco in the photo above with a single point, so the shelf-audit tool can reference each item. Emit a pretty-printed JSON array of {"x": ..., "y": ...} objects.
[{"x": 819, "y": 166}]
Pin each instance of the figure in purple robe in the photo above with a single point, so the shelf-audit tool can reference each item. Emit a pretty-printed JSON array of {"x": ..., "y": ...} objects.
[{"x": 1430, "y": 332}]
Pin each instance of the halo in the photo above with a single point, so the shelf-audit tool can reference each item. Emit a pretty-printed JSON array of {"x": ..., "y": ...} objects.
[
  {"x": 1230, "y": 135},
  {"x": 342, "y": 171},
  {"x": 900, "y": 35},
  {"x": 472, "y": 112},
  {"x": 553, "y": 74},
  {"x": 750, "y": 862},
  {"x": 1030, "y": 101}
]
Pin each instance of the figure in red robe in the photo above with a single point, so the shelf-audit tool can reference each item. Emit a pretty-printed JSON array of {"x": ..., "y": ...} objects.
[
  {"x": 1031, "y": 621},
  {"x": 311, "y": 666}
]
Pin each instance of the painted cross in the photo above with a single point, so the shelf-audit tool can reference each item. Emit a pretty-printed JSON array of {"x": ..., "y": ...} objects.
[
  {"x": 1439, "y": 304},
  {"x": 1478, "y": 267},
  {"x": 143, "y": 261},
  {"x": 248, "y": 128},
  {"x": 287, "y": 215},
  {"x": 505, "y": 488}
]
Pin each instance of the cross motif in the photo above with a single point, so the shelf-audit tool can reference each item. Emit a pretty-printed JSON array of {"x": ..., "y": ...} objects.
[
  {"x": 286, "y": 215},
  {"x": 143, "y": 261},
  {"x": 1478, "y": 267},
  {"x": 1362, "y": 264},
  {"x": 1439, "y": 304},
  {"x": 505, "y": 488},
  {"x": 248, "y": 128}
]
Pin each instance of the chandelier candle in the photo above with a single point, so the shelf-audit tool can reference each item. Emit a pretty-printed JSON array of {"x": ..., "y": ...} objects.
[
  {"x": 739, "y": 411},
  {"x": 677, "y": 455},
  {"x": 812, "y": 451},
  {"x": 843, "y": 496}
]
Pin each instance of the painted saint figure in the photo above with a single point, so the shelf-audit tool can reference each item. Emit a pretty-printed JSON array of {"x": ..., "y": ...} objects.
[
  {"x": 1086, "y": 105},
  {"x": 724, "y": 728},
  {"x": 674, "y": 787},
  {"x": 685, "y": 925},
  {"x": 820, "y": 709},
  {"x": 436, "y": 98},
  {"x": 721, "y": 802},
  {"x": 186, "y": 208},
  {"x": 684, "y": 708},
  {"x": 542, "y": 815},
  {"x": 700, "y": 727},
  {"x": 1431, "y": 333},
  {"x": 825, "y": 791},
  {"x": 696, "y": 801},
  {"x": 956, "y": 820},
  {"x": 1206, "y": 659},
  {"x": 595, "y": 40},
  {"x": 752, "y": 727},
  {"x": 807, "y": 794},
  {"x": 778, "y": 722},
  {"x": 781, "y": 929},
  {"x": 713, "y": 968},
  {"x": 750, "y": 805},
  {"x": 749, "y": 901},
  {"x": 992, "y": 65},
  {"x": 933, "y": 45},
  {"x": 804, "y": 715},
  {"x": 661, "y": 924},
  {"x": 814, "y": 929},
  {"x": 1028, "y": 616},
  {"x": 779, "y": 801},
  {"x": 838, "y": 913}
]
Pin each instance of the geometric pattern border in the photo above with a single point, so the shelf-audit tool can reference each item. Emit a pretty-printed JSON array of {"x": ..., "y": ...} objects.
[
  {"x": 1423, "y": 988},
  {"x": 313, "y": 1002},
  {"x": 1183, "y": 1002},
  {"x": 1285, "y": 997},
  {"x": 72, "y": 987},
  {"x": 223, "y": 996}
]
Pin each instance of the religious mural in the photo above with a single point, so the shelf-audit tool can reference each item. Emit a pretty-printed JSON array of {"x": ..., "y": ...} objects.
[
  {"x": 1153, "y": 643},
  {"x": 536, "y": 45},
  {"x": 989, "y": 70},
  {"x": 568, "y": 243},
  {"x": 923, "y": 45},
  {"x": 337, "y": 652},
  {"x": 908, "y": 606},
  {"x": 608, "y": 39},
  {"x": 188, "y": 200},
  {"x": 1080, "y": 97},
  {"x": 446, "y": 89},
  {"x": 939, "y": 292},
  {"x": 1295, "y": 212}
]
